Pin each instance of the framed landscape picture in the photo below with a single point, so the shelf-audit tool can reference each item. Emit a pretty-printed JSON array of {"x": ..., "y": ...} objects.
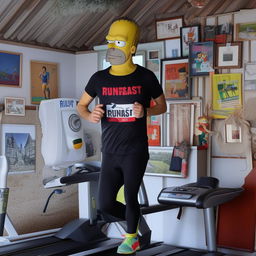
[
  {"x": 10, "y": 69},
  {"x": 14, "y": 106},
  {"x": 168, "y": 28},
  {"x": 245, "y": 31},
  {"x": 188, "y": 35},
  {"x": 174, "y": 78},
  {"x": 229, "y": 55},
  {"x": 159, "y": 162},
  {"x": 226, "y": 94},
  {"x": 201, "y": 58}
]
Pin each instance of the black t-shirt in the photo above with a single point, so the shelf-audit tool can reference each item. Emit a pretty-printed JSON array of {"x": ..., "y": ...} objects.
[{"x": 122, "y": 133}]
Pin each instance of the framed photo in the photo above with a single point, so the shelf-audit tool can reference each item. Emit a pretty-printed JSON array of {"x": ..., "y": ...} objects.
[
  {"x": 201, "y": 58},
  {"x": 210, "y": 32},
  {"x": 250, "y": 76},
  {"x": 188, "y": 35},
  {"x": 233, "y": 133},
  {"x": 219, "y": 34},
  {"x": 245, "y": 31},
  {"x": 44, "y": 81},
  {"x": 153, "y": 54},
  {"x": 14, "y": 106},
  {"x": 226, "y": 94},
  {"x": 174, "y": 78},
  {"x": 180, "y": 122},
  {"x": 168, "y": 28},
  {"x": 172, "y": 48},
  {"x": 229, "y": 55},
  {"x": 159, "y": 162},
  {"x": 10, "y": 69},
  {"x": 19, "y": 147}
]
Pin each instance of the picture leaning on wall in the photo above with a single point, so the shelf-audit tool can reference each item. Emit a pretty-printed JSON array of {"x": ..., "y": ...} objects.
[{"x": 19, "y": 147}]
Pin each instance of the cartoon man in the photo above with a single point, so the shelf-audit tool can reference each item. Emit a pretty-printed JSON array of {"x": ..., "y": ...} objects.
[
  {"x": 125, "y": 91},
  {"x": 45, "y": 77}
]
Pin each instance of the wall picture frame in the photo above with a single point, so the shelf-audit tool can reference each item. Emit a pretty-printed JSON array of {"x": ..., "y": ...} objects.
[
  {"x": 226, "y": 94},
  {"x": 174, "y": 79},
  {"x": 245, "y": 31},
  {"x": 14, "y": 106},
  {"x": 19, "y": 147},
  {"x": 188, "y": 34},
  {"x": 180, "y": 118},
  {"x": 10, "y": 69},
  {"x": 168, "y": 28},
  {"x": 201, "y": 58},
  {"x": 250, "y": 76},
  {"x": 233, "y": 133},
  {"x": 229, "y": 55},
  {"x": 44, "y": 81}
]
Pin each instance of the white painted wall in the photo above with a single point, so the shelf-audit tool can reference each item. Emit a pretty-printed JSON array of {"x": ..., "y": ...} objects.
[{"x": 67, "y": 68}]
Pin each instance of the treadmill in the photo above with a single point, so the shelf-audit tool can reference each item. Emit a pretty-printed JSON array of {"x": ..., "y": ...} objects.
[{"x": 84, "y": 236}]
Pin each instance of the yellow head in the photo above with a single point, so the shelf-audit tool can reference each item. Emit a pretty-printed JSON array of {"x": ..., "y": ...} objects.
[{"x": 123, "y": 37}]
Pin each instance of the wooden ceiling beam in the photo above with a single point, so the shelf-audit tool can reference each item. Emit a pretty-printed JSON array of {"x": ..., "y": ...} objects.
[
  {"x": 23, "y": 15},
  {"x": 77, "y": 27},
  {"x": 36, "y": 21},
  {"x": 10, "y": 13},
  {"x": 92, "y": 35}
]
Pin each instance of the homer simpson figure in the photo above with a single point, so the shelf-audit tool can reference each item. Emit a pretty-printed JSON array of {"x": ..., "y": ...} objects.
[{"x": 124, "y": 92}]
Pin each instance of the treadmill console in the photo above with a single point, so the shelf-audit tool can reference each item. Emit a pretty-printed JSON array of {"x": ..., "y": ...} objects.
[{"x": 183, "y": 195}]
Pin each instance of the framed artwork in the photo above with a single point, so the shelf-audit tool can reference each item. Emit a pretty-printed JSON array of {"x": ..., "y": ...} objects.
[
  {"x": 229, "y": 55},
  {"x": 201, "y": 58},
  {"x": 250, "y": 76},
  {"x": 188, "y": 35},
  {"x": 219, "y": 34},
  {"x": 233, "y": 133},
  {"x": 180, "y": 122},
  {"x": 159, "y": 162},
  {"x": 226, "y": 94},
  {"x": 168, "y": 28},
  {"x": 245, "y": 31},
  {"x": 154, "y": 129},
  {"x": 19, "y": 147},
  {"x": 44, "y": 81},
  {"x": 174, "y": 78},
  {"x": 10, "y": 69},
  {"x": 14, "y": 106},
  {"x": 172, "y": 48},
  {"x": 153, "y": 54}
]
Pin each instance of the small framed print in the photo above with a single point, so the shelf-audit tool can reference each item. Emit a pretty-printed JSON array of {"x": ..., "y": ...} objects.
[
  {"x": 14, "y": 106},
  {"x": 188, "y": 35},
  {"x": 175, "y": 79},
  {"x": 245, "y": 31},
  {"x": 229, "y": 55},
  {"x": 153, "y": 54},
  {"x": 233, "y": 133},
  {"x": 168, "y": 28}
]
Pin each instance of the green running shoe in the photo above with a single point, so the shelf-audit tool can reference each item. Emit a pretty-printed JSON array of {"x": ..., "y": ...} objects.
[{"x": 129, "y": 246}]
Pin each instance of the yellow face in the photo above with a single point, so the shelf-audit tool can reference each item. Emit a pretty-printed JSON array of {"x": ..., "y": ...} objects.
[{"x": 122, "y": 41}]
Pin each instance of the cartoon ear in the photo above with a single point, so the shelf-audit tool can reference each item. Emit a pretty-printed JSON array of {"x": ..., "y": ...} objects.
[{"x": 133, "y": 49}]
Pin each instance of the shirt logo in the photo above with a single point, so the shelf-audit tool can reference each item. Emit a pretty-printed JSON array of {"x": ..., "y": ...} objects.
[{"x": 120, "y": 113}]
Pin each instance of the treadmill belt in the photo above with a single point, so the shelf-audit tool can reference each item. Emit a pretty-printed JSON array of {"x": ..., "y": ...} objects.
[{"x": 65, "y": 247}]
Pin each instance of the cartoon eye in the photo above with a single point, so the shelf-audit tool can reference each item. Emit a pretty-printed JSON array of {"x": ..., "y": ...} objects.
[
  {"x": 110, "y": 41},
  {"x": 120, "y": 43}
]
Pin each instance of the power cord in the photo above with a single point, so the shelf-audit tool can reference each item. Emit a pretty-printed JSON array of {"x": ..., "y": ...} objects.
[{"x": 55, "y": 191}]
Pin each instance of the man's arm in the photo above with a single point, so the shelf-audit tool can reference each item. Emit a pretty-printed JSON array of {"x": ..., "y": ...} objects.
[
  {"x": 83, "y": 110},
  {"x": 159, "y": 107}
]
